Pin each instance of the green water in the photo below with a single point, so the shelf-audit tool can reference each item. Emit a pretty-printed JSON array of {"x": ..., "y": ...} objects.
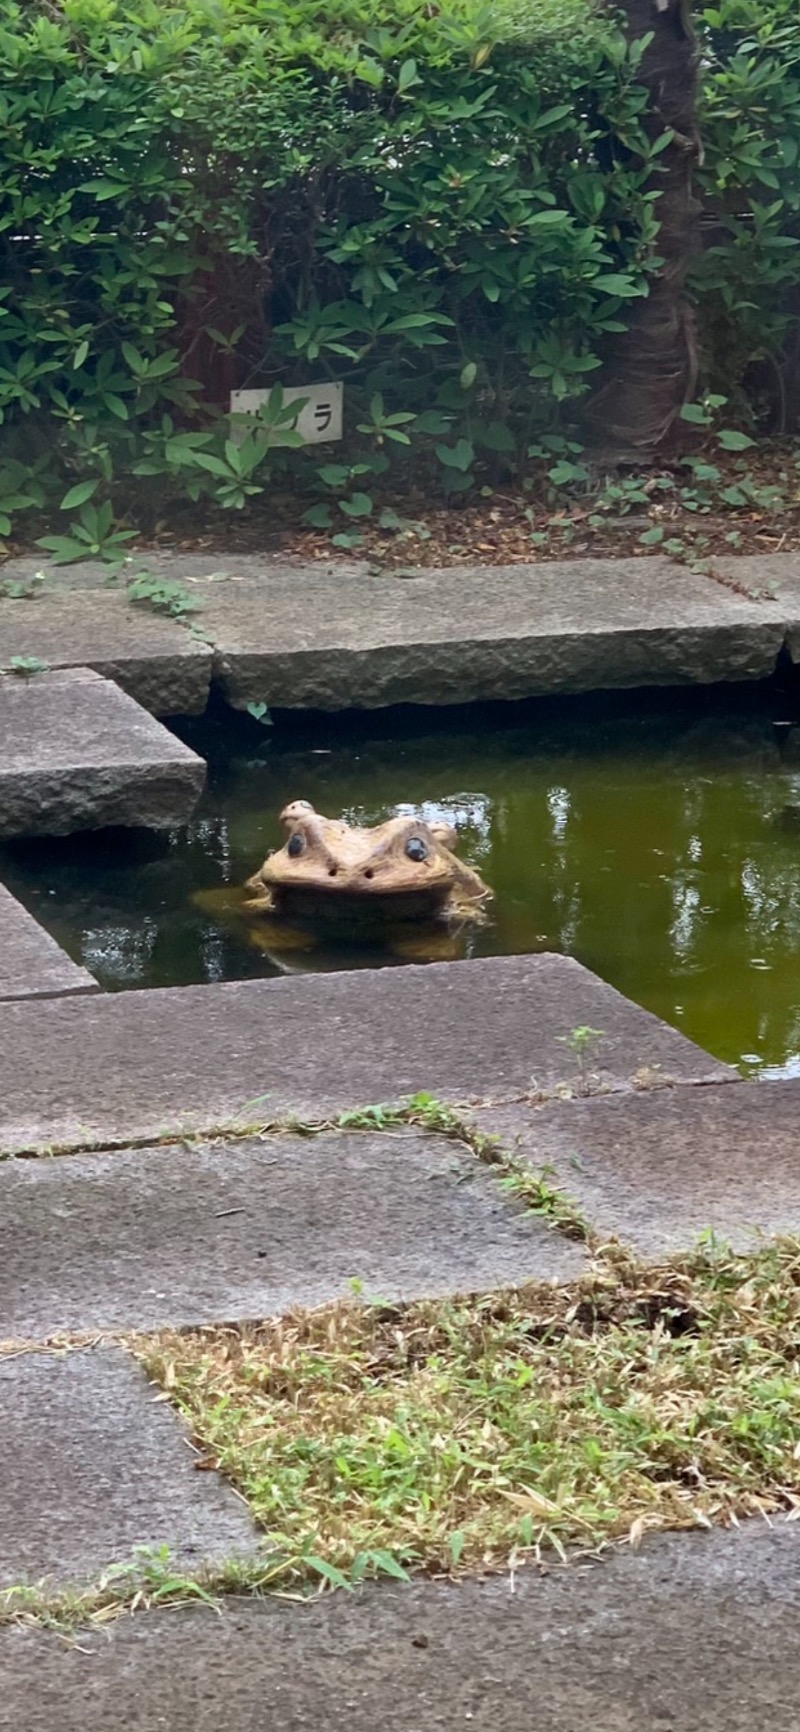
[{"x": 659, "y": 847}]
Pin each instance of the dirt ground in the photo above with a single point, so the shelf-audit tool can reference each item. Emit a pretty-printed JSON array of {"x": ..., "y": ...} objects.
[{"x": 749, "y": 503}]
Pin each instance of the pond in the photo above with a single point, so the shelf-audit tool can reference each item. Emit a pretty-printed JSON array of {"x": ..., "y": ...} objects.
[{"x": 656, "y": 841}]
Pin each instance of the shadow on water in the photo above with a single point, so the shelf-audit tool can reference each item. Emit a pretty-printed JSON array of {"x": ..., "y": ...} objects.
[{"x": 656, "y": 839}]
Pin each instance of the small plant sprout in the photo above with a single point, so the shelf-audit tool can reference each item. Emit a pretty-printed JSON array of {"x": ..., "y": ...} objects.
[
  {"x": 27, "y": 666},
  {"x": 260, "y": 713},
  {"x": 583, "y": 1043},
  {"x": 161, "y": 594},
  {"x": 21, "y": 588}
]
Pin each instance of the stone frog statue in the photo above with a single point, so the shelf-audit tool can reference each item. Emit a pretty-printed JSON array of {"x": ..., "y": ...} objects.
[{"x": 401, "y": 871}]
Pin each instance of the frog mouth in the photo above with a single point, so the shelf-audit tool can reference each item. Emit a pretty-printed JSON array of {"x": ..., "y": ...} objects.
[{"x": 348, "y": 898}]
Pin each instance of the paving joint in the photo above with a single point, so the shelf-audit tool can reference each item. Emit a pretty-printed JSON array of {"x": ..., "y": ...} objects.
[{"x": 291, "y": 1125}]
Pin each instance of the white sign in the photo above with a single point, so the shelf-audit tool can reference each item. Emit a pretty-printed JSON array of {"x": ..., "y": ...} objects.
[{"x": 318, "y": 423}]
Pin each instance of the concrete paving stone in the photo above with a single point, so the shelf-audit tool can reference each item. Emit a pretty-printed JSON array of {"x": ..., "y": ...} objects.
[
  {"x": 77, "y": 753},
  {"x": 657, "y": 1169},
  {"x": 153, "y": 658},
  {"x": 692, "y": 1633},
  {"x": 175, "y": 1236},
  {"x": 120, "y": 1066},
  {"x": 32, "y": 965},
  {"x": 320, "y": 638},
  {"x": 94, "y": 1464}
]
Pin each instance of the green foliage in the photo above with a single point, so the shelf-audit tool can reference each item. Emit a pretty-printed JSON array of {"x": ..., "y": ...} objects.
[
  {"x": 26, "y": 666},
  {"x": 747, "y": 279},
  {"x": 21, "y": 588},
  {"x": 260, "y": 713},
  {"x": 451, "y": 208},
  {"x": 161, "y": 595}
]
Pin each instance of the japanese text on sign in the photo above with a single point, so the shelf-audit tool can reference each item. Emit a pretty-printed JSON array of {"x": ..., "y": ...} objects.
[{"x": 319, "y": 421}]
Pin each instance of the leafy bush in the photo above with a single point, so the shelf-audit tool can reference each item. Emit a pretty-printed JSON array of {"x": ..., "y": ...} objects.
[
  {"x": 747, "y": 278},
  {"x": 448, "y": 210},
  {"x": 449, "y": 207}
]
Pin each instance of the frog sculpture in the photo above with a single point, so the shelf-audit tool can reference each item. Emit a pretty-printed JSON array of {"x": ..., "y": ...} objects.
[
  {"x": 401, "y": 880},
  {"x": 401, "y": 870}
]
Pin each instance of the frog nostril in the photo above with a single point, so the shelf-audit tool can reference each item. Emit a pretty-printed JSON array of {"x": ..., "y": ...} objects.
[
  {"x": 332, "y": 871},
  {"x": 369, "y": 873}
]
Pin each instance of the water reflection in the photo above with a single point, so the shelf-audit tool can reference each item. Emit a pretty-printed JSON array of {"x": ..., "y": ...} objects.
[{"x": 662, "y": 853}]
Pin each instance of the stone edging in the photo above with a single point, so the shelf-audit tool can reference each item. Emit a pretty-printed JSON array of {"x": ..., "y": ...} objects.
[{"x": 335, "y": 636}]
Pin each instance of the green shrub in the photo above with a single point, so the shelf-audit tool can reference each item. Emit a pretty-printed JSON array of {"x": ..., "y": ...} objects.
[
  {"x": 450, "y": 208},
  {"x": 747, "y": 278},
  {"x": 448, "y": 211}
]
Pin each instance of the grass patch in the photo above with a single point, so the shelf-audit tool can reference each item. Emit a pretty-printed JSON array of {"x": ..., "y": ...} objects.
[
  {"x": 151, "y": 1577},
  {"x": 472, "y": 1435}
]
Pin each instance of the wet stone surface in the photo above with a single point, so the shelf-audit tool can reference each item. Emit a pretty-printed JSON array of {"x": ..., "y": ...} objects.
[{"x": 32, "y": 965}]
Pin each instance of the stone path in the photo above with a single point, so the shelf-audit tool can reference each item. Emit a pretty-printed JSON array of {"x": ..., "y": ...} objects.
[
  {"x": 153, "y": 658},
  {"x": 94, "y": 1465},
  {"x": 151, "y": 1064},
  {"x": 32, "y": 965},
  {"x": 230, "y": 1227},
  {"x": 660, "y": 1168},
  {"x": 694, "y": 1633},
  {"x": 240, "y": 1230},
  {"x": 481, "y": 632},
  {"x": 334, "y": 635},
  {"x": 77, "y": 753}
]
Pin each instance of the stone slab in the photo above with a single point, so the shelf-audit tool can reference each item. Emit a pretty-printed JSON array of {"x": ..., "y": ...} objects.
[
  {"x": 658, "y": 1169},
  {"x": 77, "y": 753},
  {"x": 174, "y": 1236},
  {"x": 693, "y": 1633},
  {"x": 319, "y": 638},
  {"x": 116, "y": 1067},
  {"x": 95, "y": 1464},
  {"x": 153, "y": 658},
  {"x": 331, "y": 636},
  {"x": 764, "y": 576},
  {"x": 188, "y": 568},
  {"x": 32, "y": 965},
  {"x": 772, "y": 577}
]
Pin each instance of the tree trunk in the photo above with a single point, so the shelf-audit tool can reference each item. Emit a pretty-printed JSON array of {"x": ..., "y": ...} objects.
[{"x": 651, "y": 371}]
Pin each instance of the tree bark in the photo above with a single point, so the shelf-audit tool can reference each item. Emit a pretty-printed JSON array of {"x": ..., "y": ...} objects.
[{"x": 651, "y": 371}]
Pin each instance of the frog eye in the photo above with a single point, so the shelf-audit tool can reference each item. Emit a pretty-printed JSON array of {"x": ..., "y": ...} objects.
[
  {"x": 295, "y": 845},
  {"x": 416, "y": 848}
]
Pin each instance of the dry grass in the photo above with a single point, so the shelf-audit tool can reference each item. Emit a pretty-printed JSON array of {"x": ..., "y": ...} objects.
[{"x": 471, "y": 1434}]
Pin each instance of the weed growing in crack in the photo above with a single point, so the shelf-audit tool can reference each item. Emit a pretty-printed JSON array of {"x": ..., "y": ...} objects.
[
  {"x": 583, "y": 1043},
  {"x": 161, "y": 595}
]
